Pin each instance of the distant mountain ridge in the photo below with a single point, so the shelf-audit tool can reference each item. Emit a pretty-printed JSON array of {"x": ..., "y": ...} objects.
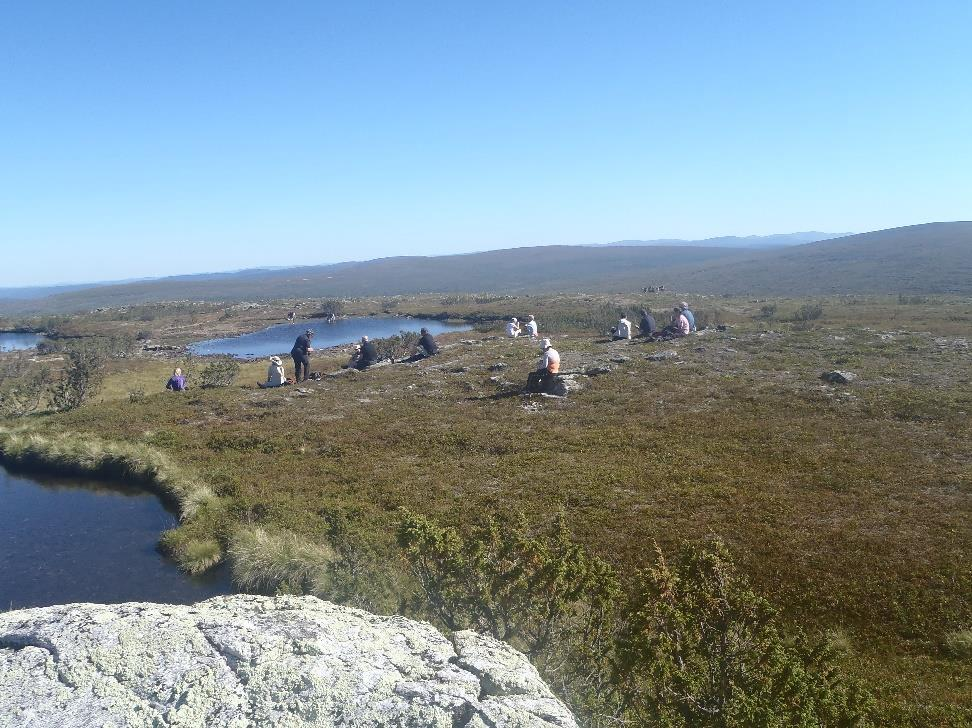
[
  {"x": 929, "y": 258},
  {"x": 736, "y": 241}
]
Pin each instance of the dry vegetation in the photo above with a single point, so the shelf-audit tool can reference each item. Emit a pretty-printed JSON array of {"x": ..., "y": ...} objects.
[{"x": 849, "y": 507}]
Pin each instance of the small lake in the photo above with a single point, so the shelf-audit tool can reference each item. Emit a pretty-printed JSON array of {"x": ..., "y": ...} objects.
[
  {"x": 68, "y": 540},
  {"x": 16, "y": 342},
  {"x": 280, "y": 339}
]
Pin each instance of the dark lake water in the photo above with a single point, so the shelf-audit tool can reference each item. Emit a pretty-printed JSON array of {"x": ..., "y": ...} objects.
[
  {"x": 17, "y": 342},
  {"x": 66, "y": 540},
  {"x": 280, "y": 339}
]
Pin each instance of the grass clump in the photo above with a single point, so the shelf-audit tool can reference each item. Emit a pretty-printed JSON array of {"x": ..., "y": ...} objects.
[
  {"x": 279, "y": 562},
  {"x": 958, "y": 644}
]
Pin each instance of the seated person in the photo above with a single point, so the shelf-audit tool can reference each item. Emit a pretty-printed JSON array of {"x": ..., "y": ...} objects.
[
  {"x": 368, "y": 355},
  {"x": 622, "y": 330},
  {"x": 355, "y": 355},
  {"x": 177, "y": 382},
  {"x": 547, "y": 368},
  {"x": 677, "y": 328},
  {"x": 276, "y": 377},
  {"x": 687, "y": 313},
  {"x": 531, "y": 327},
  {"x": 427, "y": 343},
  {"x": 513, "y": 328},
  {"x": 647, "y": 326}
]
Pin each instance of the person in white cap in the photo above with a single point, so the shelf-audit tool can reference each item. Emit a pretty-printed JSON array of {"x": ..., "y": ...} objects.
[
  {"x": 513, "y": 328},
  {"x": 275, "y": 374},
  {"x": 547, "y": 368},
  {"x": 687, "y": 313},
  {"x": 531, "y": 327}
]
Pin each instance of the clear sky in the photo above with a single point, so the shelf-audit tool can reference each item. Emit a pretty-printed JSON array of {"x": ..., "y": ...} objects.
[{"x": 146, "y": 139}]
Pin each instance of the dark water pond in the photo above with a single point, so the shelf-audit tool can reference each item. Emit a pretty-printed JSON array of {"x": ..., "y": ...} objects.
[
  {"x": 16, "y": 342},
  {"x": 280, "y": 339},
  {"x": 67, "y": 540}
]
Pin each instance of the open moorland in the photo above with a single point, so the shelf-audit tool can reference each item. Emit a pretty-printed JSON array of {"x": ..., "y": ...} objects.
[{"x": 848, "y": 506}]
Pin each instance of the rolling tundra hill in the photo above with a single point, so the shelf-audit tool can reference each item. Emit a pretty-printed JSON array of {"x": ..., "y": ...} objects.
[{"x": 930, "y": 258}]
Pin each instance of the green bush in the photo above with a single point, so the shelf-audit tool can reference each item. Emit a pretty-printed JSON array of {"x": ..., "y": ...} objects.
[
  {"x": 219, "y": 373},
  {"x": 809, "y": 312},
  {"x": 81, "y": 377}
]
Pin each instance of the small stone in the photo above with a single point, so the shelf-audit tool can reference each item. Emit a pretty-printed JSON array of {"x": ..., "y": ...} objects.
[
  {"x": 498, "y": 366},
  {"x": 619, "y": 359},
  {"x": 838, "y": 377},
  {"x": 663, "y": 355}
]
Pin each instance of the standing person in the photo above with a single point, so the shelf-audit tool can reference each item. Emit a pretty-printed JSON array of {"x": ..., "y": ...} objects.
[
  {"x": 623, "y": 329},
  {"x": 531, "y": 327},
  {"x": 368, "y": 355},
  {"x": 427, "y": 343},
  {"x": 513, "y": 328},
  {"x": 276, "y": 377},
  {"x": 177, "y": 382},
  {"x": 647, "y": 325},
  {"x": 301, "y": 354},
  {"x": 547, "y": 368},
  {"x": 687, "y": 313}
]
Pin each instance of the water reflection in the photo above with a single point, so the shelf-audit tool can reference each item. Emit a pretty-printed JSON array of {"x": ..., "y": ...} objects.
[
  {"x": 17, "y": 342},
  {"x": 66, "y": 540}
]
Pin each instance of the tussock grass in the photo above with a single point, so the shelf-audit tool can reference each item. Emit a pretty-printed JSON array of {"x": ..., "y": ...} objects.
[
  {"x": 279, "y": 561},
  {"x": 959, "y": 644}
]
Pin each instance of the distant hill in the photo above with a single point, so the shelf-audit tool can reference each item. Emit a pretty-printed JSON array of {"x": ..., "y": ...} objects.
[
  {"x": 929, "y": 258},
  {"x": 735, "y": 241}
]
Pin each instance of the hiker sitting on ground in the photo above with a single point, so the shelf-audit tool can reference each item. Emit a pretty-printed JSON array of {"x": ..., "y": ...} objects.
[
  {"x": 622, "y": 330},
  {"x": 276, "y": 377},
  {"x": 677, "y": 328},
  {"x": 687, "y": 313},
  {"x": 301, "y": 354},
  {"x": 531, "y": 327},
  {"x": 549, "y": 365},
  {"x": 177, "y": 382},
  {"x": 647, "y": 326},
  {"x": 513, "y": 328},
  {"x": 368, "y": 355},
  {"x": 427, "y": 344},
  {"x": 355, "y": 355}
]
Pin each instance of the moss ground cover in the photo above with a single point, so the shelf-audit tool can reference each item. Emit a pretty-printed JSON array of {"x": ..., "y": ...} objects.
[{"x": 849, "y": 507}]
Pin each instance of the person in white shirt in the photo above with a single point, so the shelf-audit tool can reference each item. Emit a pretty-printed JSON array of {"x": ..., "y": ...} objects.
[
  {"x": 623, "y": 329},
  {"x": 513, "y": 328},
  {"x": 276, "y": 377},
  {"x": 547, "y": 368},
  {"x": 531, "y": 327}
]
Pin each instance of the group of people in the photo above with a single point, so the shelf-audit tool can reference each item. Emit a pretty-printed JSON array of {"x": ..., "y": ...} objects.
[
  {"x": 513, "y": 328},
  {"x": 682, "y": 324}
]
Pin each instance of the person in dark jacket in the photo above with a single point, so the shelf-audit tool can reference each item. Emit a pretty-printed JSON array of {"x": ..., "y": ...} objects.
[
  {"x": 368, "y": 356},
  {"x": 647, "y": 326},
  {"x": 429, "y": 347},
  {"x": 301, "y": 354}
]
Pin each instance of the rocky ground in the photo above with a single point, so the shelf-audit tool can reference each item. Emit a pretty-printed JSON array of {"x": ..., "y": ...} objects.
[{"x": 258, "y": 661}]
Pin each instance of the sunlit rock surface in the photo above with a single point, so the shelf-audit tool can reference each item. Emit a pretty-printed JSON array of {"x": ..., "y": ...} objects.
[{"x": 258, "y": 661}]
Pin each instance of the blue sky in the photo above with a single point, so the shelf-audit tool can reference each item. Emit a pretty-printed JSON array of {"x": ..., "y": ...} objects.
[{"x": 146, "y": 139}]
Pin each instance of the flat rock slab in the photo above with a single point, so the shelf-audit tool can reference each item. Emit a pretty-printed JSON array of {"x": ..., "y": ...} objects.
[
  {"x": 258, "y": 661},
  {"x": 838, "y": 377}
]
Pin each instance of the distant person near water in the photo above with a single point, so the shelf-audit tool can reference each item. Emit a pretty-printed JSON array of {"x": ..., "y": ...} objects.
[
  {"x": 687, "y": 313},
  {"x": 368, "y": 356},
  {"x": 531, "y": 327},
  {"x": 301, "y": 354},
  {"x": 276, "y": 377},
  {"x": 513, "y": 328},
  {"x": 177, "y": 382},
  {"x": 647, "y": 325},
  {"x": 547, "y": 368},
  {"x": 622, "y": 330},
  {"x": 427, "y": 343}
]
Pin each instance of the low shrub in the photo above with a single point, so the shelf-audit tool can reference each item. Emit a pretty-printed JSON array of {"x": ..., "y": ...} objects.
[{"x": 219, "y": 373}]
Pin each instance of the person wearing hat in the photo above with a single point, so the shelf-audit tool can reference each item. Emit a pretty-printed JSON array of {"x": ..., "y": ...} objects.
[
  {"x": 427, "y": 344},
  {"x": 513, "y": 328},
  {"x": 687, "y": 313},
  {"x": 368, "y": 355},
  {"x": 301, "y": 354},
  {"x": 276, "y": 377},
  {"x": 531, "y": 327},
  {"x": 547, "y": 369}
]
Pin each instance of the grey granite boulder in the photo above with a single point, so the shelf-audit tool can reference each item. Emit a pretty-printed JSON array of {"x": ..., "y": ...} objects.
[{"x": 258, "y": 661}]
